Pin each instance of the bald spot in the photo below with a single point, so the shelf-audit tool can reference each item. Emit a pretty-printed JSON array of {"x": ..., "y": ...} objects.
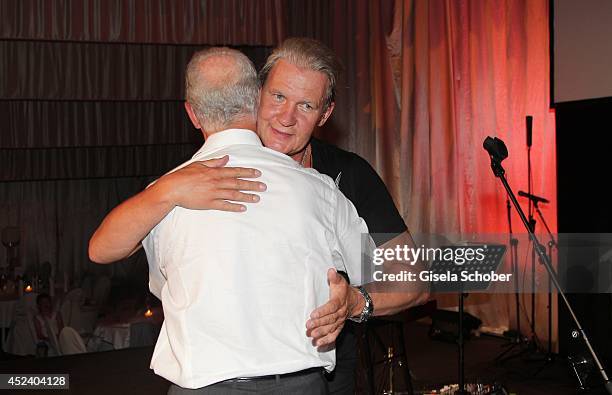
[{"x": 218, "y": 71}]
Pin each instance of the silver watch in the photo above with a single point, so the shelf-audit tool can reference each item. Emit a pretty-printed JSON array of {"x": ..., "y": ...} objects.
[{"x": 368, "y": 307}]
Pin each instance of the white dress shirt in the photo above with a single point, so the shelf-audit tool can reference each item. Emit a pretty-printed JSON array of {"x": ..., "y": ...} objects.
[{"x": 238, "y": 288}]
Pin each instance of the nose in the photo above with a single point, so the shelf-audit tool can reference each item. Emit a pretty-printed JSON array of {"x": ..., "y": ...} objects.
[{"x": 286, "y": 116}]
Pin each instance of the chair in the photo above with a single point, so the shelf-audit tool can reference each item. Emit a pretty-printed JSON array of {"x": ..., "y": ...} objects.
[
  {"x": 71, "y": 308},
  {"x": 22, "y": 335},
  {"x": 53, "y": 342},
  {"x": 70, "y": 342}
]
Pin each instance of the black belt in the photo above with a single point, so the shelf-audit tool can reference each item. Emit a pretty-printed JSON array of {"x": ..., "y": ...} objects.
[{"x": 275, "y": 376}]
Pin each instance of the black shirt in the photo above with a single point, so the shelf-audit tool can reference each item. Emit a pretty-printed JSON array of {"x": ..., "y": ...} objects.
[{"x": 362, "y": 186}]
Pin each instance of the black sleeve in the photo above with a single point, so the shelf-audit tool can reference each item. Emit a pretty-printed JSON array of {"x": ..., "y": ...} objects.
[{"x": 362, "y": 185}]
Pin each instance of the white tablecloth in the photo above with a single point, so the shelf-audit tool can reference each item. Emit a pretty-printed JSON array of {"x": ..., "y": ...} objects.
[
  {"x": 7, "y": 311},
  {"x": 117, "y": 334}
]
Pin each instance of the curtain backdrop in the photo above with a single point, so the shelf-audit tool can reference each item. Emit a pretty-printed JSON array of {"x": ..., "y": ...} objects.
[
  {"x": 90, "y": 110},
  {"x": 91, "y": 102},
  {"x": 45, "y": 70},
  {"x": 430, "y": 80},
  {"x": 91, "y": 90},
  {"x": 211, "y": 22}
]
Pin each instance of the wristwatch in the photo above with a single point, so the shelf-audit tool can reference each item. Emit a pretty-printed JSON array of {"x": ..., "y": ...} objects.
[{"x": 368, "y": 307}]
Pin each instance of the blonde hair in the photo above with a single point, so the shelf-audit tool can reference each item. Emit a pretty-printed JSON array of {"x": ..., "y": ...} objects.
[{"x": 310, "y": 54}]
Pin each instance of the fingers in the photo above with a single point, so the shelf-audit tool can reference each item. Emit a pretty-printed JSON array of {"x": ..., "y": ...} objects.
[
  {"x": 224, "y": 205},
  {"x": 242, "y": 172},
  {"x": 236, "y": 196},
  {"x": 219, "y": 162},
  {"x": 230, "y": 177},
  {"x": 322, "y": 331},
  {"x": 328, "y": 308},
  {"x": 240, "y": 185},
  {"x": 329, "y": 319},
  {"x": 329, "y": 339},
  {"x": 326, "y": 336},
  {"x": 333, "y": 277},
  {"x": 238, "y": 172},
  {"x": 330, "y": 313}
]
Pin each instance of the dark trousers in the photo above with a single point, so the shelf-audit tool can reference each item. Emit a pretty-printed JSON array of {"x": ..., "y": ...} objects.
[
  {"x": 342, "y": 380},
  {"x": 311, "y": 383}
]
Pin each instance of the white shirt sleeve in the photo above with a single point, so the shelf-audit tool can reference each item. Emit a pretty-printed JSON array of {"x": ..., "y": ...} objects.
[
  {"x": 157, "y": 280},
  {"x": 353, "y": 240}
]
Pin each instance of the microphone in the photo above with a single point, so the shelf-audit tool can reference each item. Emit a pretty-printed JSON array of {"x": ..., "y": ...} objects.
[
  {"x": 533, "y": 198},
  {"x": 496, "y": 148},
  {"x": 529, "y": 121}
]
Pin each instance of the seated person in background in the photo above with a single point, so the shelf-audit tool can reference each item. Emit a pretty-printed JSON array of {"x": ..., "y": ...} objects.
[
  {"x": 48, "y": 324},
  {"x": 52, "y": 337}
]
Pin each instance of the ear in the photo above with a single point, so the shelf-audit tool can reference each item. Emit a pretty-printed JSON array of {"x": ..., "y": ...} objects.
[
  {"x": 192, "y": 116},
  {"x": 326, "y": 114}
]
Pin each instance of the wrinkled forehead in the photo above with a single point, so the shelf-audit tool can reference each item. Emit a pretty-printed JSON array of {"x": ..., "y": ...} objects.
[{"x": 298, "y": 80}]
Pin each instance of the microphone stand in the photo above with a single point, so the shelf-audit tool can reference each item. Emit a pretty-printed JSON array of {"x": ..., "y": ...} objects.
[
  {"x": 532, "y": 225},
  {"x": 499, "y": 172},
  {"x": 515, "y": 336},
  {"x": 514, "y": 257},
  {"x": 552, "y": 243}
]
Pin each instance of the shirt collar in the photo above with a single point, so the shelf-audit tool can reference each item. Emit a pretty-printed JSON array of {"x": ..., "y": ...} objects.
[{"x": 226, "y": 138}]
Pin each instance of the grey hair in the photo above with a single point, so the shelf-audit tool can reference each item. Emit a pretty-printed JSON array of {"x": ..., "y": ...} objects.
[
  {"x": 310, "y": 54},
  {"x": 219, "y": 99}
]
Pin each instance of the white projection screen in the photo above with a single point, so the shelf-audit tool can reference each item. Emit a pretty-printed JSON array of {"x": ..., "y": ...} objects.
[{"x": 582, "y": 52}]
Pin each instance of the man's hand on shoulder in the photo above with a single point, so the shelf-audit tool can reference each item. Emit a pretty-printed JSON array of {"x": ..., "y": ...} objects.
[
  {"x": 209, "y": 185},
  {"x": 201, "y": 185}
]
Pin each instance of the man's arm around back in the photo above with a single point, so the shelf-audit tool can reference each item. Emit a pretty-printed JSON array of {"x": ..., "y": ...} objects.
[{"x": 200, "y": 185}]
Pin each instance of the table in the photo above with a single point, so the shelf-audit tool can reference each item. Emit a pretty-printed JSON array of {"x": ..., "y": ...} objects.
[
  {"x": 137, "y": 331},
  {"x": 7, "y": 312},
  {"x": 117, "y": 335}
]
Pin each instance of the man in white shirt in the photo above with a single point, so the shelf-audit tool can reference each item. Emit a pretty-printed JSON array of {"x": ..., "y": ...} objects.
[
  {"x": 237, "y": 287},
  {"x": 297, "y": 97}
]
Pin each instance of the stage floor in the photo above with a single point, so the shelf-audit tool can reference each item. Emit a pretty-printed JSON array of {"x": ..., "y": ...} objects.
[{"x": 433, "y": 363}]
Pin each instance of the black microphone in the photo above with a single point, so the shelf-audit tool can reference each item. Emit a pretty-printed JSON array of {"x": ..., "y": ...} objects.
[
  {"x": 496, "y": 148},
  {"x": 529, "y": 121},
  {"x": 533, "y": 198}
]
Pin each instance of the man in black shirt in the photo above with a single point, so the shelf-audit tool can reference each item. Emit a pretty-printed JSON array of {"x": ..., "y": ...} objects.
[
  {"x": 362, "y": 186},
  {"x": 297, "y": 96}
]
